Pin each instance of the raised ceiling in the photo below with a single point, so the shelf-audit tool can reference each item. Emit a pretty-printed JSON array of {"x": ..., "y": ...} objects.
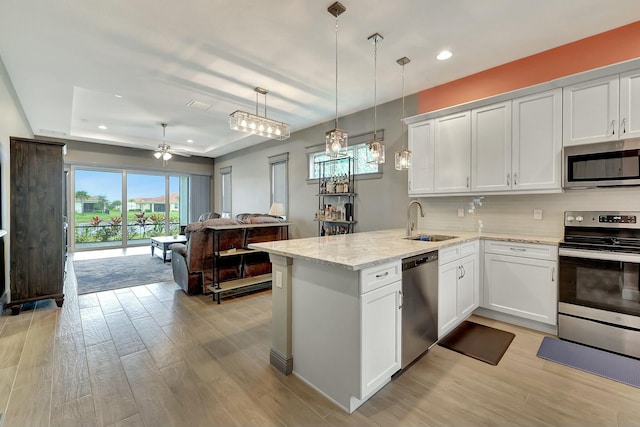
[{"x": 131, "y": 65}]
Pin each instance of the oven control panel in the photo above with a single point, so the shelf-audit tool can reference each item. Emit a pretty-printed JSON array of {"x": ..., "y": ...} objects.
[
  {"x": 602, "y": 219},
  {"x": 617, "y": 219}
]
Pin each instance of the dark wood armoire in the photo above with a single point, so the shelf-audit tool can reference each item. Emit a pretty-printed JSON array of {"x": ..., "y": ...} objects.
[{"x": 37, "y": 227}]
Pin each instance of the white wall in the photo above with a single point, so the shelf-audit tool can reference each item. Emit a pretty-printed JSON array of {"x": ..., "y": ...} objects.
[
  {"x": 379, "y": 204},
  {"x": 12, "y": 123}
]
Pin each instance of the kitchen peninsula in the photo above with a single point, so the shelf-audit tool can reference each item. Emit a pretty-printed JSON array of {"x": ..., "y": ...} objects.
[{"x": 337, "y": 307}]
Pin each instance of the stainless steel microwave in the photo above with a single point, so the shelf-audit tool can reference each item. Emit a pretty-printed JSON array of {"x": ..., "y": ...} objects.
[{"x": 604, "y": 164}]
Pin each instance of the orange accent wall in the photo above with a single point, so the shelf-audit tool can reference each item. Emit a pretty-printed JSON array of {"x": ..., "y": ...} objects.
[{"x": 617, "y": 45}]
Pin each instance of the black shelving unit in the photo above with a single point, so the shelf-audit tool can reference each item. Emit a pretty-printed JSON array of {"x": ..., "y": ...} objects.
[{"x": 336, "y": 197}]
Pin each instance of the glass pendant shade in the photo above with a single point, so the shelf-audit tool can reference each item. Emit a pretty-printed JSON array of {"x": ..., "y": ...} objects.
[
  {"x": 375, "y": 154},
  {"x": 157, "y": 155},
  {"x": 403, "y": 160},
  {"x": 336, "y": 142}
]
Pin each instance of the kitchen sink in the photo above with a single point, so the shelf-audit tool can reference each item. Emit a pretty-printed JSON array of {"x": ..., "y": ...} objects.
[{"x": 431, "y": 237}]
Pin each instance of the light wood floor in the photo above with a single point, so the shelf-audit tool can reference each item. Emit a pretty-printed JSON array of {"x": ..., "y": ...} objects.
[{"x": 152, "y": 356}]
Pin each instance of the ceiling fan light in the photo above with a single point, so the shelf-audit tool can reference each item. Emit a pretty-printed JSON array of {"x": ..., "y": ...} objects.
[
  {"x": 157, "y": 155},
  {"x": 166, "y": 156}
]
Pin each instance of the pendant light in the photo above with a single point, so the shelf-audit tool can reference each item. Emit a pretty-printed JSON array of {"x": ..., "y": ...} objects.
[
  {"x": 403, "y": 157},
  {"x": 256, "y": 124},
  {"x": 375, "y": 154},
  {"x": 336, "y": 140}
]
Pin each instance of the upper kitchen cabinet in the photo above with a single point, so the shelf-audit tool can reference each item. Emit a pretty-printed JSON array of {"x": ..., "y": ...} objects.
[
  {"x": 605, "y": 109},
  {"x": 630, "y": 104},
  {"x": 453, "y": 153},
  {"x": 491, "y": 147},
  {"x": 591, "y": 111},
  {"x": 536, "y": 155},
  {"x": 421, "y": 145}
]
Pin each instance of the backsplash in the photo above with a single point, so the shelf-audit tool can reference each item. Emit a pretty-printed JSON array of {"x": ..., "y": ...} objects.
[{"x": 514, "y": 213}]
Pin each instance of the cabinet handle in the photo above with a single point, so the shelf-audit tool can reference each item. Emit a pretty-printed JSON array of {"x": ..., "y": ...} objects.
[
  {"x": 515, "y": 179},
  {"x": 460, "y": 272},
  {"x": 553, "y": 274},
  {"x": 518, "y": 249},
  {"x": 464, "y": 272},
  {"x": 401, "y": 298},
  {"x": 508, "y": 175},
  {"x": 613, "y": 127},
  {"x": 467, "y": 182},
  {"x": 623, "y": 125},
  {"x": 380, "y": 276}
]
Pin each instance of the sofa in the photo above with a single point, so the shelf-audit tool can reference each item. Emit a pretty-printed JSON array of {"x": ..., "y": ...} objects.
[{"x": 197, "y": 264}]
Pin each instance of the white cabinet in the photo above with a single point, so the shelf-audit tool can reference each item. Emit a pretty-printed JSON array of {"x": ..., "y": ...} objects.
[
  {"x": 509, "y": 146},
  {"x": 491, "y": 147},
  {"x": 458, "y": 285},
  {"x": 421, "y": 145},
  {"x": 605, "y": 109},
  {"x": 346, "y": 330},
  {"x": 381, "y": 320},
  {"x": 521, "y": 280},
  {"x": 453, "y": 153},
  {"x": 630, "y": 104},
  {"x": 536, "y": 155},
  {"x": 591, "y": 111}
]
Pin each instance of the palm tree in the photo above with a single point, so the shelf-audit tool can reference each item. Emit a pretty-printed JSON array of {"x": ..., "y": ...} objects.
[{"x": 82, "y": 196}]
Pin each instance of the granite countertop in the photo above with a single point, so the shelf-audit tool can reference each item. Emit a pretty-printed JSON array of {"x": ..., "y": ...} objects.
[{"x": 361, "y": 250}]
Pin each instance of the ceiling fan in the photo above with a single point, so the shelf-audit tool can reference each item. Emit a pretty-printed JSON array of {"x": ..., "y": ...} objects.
[{"x": 164, "y": 150}]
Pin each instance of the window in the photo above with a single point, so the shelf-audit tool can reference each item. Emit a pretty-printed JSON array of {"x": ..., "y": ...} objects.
[
  {"x": 357, "y": 149},
  {"x": 225, "y": 193},
  {"x": 280, "y": 181}
]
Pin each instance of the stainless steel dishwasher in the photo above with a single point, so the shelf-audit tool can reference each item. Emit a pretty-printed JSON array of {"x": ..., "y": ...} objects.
[{"x": 419, "y": 305}]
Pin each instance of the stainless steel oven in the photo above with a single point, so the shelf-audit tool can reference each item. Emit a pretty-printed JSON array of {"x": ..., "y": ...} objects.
[{"x": 599, "y": 281}]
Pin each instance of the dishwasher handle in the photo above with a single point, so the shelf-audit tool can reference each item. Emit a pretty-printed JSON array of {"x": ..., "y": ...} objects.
[{"x": 418, "y": 260}]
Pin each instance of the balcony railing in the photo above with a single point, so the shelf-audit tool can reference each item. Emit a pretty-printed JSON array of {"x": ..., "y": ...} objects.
[{"x": 89, "y": 233}]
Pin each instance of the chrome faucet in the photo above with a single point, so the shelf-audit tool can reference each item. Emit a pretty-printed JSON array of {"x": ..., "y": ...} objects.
[{"x": 410, "y": 225}]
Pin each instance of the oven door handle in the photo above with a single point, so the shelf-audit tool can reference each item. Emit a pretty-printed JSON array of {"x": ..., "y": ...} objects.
[{"x": 601, "y": 255}]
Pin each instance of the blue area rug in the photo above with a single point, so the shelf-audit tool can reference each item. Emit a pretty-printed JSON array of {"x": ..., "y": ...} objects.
[
  {"x": 96, "y": 275},
  {"x": 602, "y": 363}
]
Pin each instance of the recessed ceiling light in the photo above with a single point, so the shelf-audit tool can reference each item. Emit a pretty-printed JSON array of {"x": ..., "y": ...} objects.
[
  {"x": 103, "y": 127},
  {"x": 190, "y": 140},
  {"x": 445, "y": 54},
  {"x": 118, "y": 96}
]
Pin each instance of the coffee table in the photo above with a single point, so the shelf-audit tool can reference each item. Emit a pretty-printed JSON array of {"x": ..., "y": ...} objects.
[{"x": 163, "y": 242}]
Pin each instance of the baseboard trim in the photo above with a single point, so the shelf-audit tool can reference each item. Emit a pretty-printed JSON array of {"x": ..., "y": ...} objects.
[
  {"x": 518, "y": 321},
  {"x": 282, "y": 364}
]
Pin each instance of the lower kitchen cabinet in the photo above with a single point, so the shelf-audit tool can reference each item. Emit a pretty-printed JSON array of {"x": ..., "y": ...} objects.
[
  {"x": 522, "y": 283},
  {"x": 346, "y": 329},
  {"x": 381, "y": 336},
  {"x": 458, "y": 285}
]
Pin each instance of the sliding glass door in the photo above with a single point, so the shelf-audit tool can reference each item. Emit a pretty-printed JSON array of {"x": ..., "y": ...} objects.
[
  {"x": 119, "y": 208},
  {"x": 97, "y": 210}
]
